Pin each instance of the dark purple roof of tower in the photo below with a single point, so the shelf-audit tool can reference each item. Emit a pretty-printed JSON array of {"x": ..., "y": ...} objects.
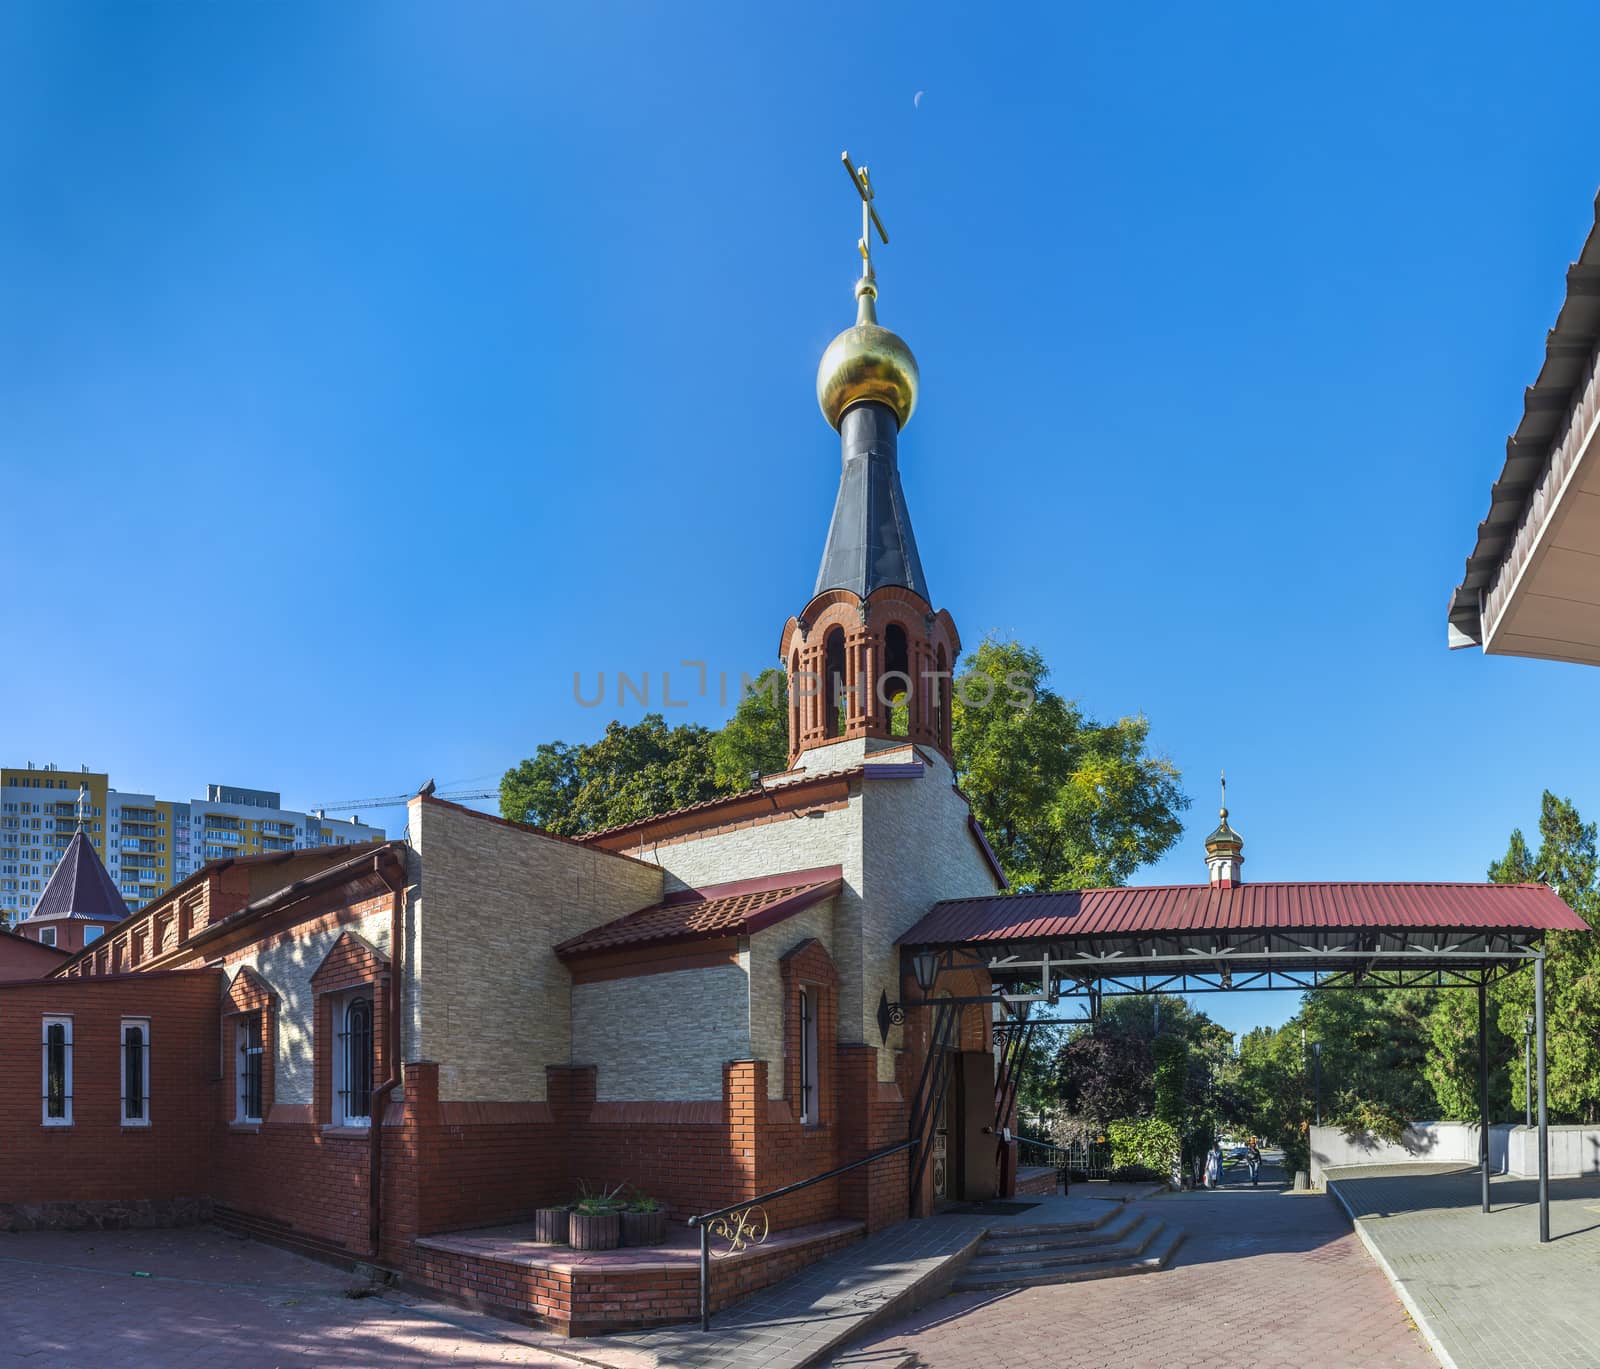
[{"x": 80, "y": 888}]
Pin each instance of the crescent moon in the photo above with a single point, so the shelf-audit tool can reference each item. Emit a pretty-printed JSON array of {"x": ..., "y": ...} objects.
[{"x": 916, "y": 100}]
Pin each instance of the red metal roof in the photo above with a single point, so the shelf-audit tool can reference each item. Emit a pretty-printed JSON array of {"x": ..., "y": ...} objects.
[
  {"x": 1253, "y": 907},
  {"x": 695, "y": 917}
]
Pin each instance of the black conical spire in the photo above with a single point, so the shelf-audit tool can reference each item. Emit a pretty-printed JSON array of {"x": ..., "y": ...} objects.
[{"x": 870, "y": 542}]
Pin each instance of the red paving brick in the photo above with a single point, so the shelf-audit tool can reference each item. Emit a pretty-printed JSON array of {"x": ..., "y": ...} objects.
[
  {"x": 71, "y": 1299},
  {"x": 1264, "y": 1280}
]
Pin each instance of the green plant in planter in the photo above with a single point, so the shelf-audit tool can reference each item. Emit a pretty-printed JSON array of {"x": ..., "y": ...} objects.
[
  {"x": 643, "y": 1202},
  {"x": 597, "y": 1202}
]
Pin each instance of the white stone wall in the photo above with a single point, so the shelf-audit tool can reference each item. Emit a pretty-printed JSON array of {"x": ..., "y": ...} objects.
[
  {"x": 1574, "y": 1151},
  {"x": 493, "y": 900},
  {"x": 288, "y": 968},
  {"x": 767, "y": 949},
  {"x": 1430, "y": 1143},
  {"x": 663, "y": 1037}
]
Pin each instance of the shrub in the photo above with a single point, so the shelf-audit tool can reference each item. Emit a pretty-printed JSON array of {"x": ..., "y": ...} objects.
[
  {"x": 1143, "y": 1142},
  {"x": 1077, "y": 1176}
]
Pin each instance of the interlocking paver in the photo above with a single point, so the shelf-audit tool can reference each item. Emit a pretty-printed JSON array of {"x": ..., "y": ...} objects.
[
  {"x": 1263, "y": 1279},
  {"x": 201, "y": 1296},
  {"x": 1489, "y": 1293}
]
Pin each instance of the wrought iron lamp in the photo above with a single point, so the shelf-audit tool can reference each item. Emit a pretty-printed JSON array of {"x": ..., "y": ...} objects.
[{"x": 925, "y": 969}]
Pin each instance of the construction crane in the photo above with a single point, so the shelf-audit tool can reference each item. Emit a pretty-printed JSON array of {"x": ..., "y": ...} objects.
[{"x": 401, "y": 800}]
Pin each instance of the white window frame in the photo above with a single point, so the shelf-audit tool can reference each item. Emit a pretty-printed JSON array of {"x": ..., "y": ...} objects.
[
  {"x": 808, "y": 1092},
  {"x": 341, "y": 1051},
  {"x": 92, "y": 934},
  {"x": 242, "y": 1046},
  {"x": 47, "y": 936},
  {"x": 65, "y": 1021},
  {"x": 143, "y": 1024}
]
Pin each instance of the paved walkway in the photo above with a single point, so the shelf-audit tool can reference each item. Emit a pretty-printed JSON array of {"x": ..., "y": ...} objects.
[
  {"x": 1484, "y": 1290},
  {"x": 1265, "y": 1279},
  {"x": 167, "y": 1299}
]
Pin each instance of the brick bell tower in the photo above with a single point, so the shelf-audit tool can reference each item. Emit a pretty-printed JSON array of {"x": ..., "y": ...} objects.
[{"x": 868, "y": 657}]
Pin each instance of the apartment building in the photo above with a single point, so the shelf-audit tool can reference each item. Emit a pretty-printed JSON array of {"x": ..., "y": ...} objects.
[{"x": 147, "y": 844}]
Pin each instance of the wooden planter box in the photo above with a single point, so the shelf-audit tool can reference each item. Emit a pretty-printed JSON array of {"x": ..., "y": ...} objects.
[
  {"x": 594, "y": 1231},
  {"x": 550, "y": 1224},
  {"x": 644, "y": 1228}
]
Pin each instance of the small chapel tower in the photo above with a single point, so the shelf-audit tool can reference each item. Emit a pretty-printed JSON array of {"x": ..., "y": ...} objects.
[
  {"x": 868, "y": 657},
  {"x": 1225, "y": 850}
]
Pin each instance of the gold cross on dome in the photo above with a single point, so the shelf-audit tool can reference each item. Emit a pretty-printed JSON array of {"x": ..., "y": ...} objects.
[{"x": 869, "y": 216}]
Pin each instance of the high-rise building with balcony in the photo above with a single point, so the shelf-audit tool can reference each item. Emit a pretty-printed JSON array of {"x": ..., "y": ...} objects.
[{"x": 147, "y": 844}]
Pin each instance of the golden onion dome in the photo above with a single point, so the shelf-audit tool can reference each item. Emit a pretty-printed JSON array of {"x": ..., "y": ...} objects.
[{"x": 867, "y": 362}]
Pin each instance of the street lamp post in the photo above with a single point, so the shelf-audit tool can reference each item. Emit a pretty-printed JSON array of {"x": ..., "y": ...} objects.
[
  {"x": 1316, "y": 1065},
  {"x": 1527, "y": 1069}
]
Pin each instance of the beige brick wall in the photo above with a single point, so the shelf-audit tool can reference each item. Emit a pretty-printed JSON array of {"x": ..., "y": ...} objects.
[
  {"x": 918, "y": 850},
  {"x": 662, "y": 1037},
  {"x": 494, "y": 1006},
  {"x": 767, "y": 949},
  {"x": 829, "y": 838},
  {"x": 288, "y": 969}
]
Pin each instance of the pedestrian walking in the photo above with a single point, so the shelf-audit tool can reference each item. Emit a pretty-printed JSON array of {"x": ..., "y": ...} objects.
[{"x": 1252, "y": 1157}]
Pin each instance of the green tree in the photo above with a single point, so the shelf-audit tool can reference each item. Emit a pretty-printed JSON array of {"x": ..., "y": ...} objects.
[
  {"x": 630, "y": 772},
  {"x": 755, "y": 741},
  {"x": 1451, "y": 1066},
  {"x": 1567, "y": 860},
  {"x": 1067, "y": 803}
]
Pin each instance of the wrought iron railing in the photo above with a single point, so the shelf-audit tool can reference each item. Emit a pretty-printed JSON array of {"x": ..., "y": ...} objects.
[
  {"x": 744, "y": 1224},
  {"x": 1092, "y": 1159}
]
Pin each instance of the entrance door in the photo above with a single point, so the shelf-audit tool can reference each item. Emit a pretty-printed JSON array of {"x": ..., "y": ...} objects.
[{"x": 980, "y": 1156}]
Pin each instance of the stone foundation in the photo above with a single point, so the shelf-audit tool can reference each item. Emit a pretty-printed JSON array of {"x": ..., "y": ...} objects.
[{"x": 106, "y": 1215}]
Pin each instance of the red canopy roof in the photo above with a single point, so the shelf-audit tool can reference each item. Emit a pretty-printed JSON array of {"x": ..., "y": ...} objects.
[
  {"x": 709, "y": 914},
  {"x": 1244, "y": 907}
]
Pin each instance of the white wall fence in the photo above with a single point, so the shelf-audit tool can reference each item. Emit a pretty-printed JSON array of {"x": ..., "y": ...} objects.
[{"x": 1514, "y": 1150}]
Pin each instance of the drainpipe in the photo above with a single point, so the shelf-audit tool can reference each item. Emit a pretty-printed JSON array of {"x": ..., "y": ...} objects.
[{"x": 380, "y": 1095}]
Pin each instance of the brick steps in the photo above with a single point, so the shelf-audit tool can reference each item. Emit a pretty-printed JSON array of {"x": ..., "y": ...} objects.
[{"x": 1142, "y": 1244}]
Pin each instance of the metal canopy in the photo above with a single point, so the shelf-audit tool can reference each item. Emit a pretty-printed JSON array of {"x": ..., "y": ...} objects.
[
  {"x": 1028, "y": 969},
  {"x": 1186, "y": 939}
]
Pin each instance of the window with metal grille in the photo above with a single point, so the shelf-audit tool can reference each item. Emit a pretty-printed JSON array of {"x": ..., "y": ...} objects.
[
  {"x": 354, "y": 1056},
  {"x": 250, "y": 1049},
  {"x": 135, "y": 1072},
  {"x": 56, "y": 1049},
  {"x": 810, "y": 1112}
]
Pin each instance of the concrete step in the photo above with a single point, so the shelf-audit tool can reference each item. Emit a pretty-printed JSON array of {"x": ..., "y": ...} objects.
[
  {"x": 1131, "y": 1245},
  {"x": 1123, "y": 1221},
  {"x": 1033, "y": 1229},
  {"x": 1157, "y": 1255}
]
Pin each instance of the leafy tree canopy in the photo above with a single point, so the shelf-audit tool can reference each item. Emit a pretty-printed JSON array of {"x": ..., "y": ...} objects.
[{"x": 1067, "y": 802}]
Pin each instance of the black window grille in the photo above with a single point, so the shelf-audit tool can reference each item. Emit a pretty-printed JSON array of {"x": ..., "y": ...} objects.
[
  {"x": 134, "y": 1048},
  {"x": 57, "y": 1099},
  {"x": 807, "y": 1087},
  {"x": 356, "y": 1044},
  {"x": 250, "y": 1068}
]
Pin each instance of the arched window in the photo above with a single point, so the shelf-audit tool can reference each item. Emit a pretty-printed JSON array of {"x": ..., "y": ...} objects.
[
  {"x": 894, "y": 685},
  {"x": 941, "y": 699},
  {"x": 353, "y": 1082},
  {"x": 794, "y": 702},
  {"x": 833, "y": 667},
  {"x": 810, "y": 1099}
]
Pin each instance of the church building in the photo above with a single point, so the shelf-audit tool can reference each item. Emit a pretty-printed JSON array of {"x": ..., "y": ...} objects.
[
  {"x": 410, "y": 1054},
  {"x": 363, "y": 1049}
]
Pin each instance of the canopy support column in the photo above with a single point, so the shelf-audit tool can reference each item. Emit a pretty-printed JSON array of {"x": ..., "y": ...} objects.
[
  {"x": 1483, "y": 1088},
  {"x": 1544, "y": 1100}
]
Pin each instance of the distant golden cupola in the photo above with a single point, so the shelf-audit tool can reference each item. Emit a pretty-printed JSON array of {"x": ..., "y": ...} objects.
[{"x": 867, "y": 362}]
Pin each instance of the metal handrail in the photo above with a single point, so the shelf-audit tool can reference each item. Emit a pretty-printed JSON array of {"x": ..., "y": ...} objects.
[{"x": 704, "y": 1219}]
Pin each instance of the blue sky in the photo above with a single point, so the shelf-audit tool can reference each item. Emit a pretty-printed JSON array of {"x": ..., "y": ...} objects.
[{"x": 367, "y": 370}]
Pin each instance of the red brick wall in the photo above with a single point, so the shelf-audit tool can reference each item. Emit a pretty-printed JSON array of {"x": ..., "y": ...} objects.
[
  {"x": 24, "y": 958},
  {"x": 97, "y": 1159}
]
